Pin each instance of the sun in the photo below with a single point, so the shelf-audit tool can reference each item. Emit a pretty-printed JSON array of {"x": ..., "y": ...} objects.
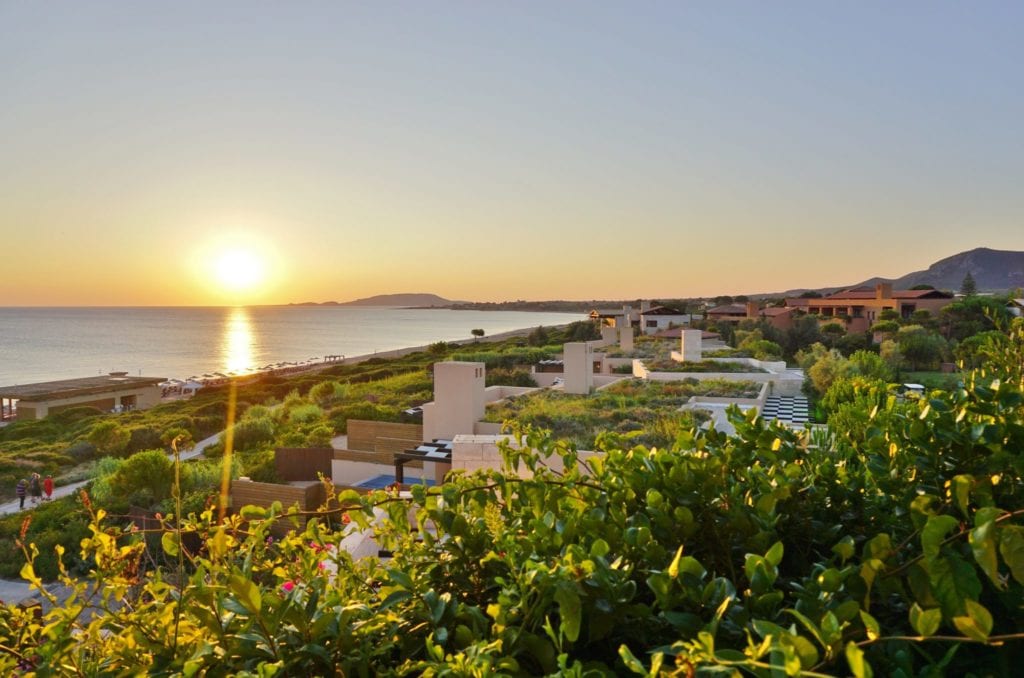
[{"x": 239, "y": 269}]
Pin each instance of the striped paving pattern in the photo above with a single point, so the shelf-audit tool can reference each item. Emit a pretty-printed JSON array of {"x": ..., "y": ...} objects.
[{"x": 792, "y": 410}]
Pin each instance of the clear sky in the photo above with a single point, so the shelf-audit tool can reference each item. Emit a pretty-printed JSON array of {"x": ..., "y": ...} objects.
[{"x": 499, "y": 150}]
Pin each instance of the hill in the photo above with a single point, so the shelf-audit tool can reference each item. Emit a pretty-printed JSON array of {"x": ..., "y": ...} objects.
[
  {"x": 418, "y": 300},
  {"x": 993, "y": 271}
]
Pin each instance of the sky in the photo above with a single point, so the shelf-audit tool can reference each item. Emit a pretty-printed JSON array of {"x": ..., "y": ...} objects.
[{"x": 498, "y": 150}]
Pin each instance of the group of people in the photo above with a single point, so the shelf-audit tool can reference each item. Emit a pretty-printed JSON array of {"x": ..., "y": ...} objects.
[{"x": 35, "y": 487}]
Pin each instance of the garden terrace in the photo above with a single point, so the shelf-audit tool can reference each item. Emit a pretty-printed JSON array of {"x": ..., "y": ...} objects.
[
  {"x": 642, "y": 412},
  {"x": 655, "y": 348},
  {"x": 702, "y": 366}
]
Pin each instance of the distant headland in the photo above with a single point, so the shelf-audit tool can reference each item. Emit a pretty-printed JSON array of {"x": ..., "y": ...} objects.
[{"x": 413, "y": 300}]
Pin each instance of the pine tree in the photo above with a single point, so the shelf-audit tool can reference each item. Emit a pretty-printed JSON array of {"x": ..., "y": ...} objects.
[{"x": 968, "y": 287}]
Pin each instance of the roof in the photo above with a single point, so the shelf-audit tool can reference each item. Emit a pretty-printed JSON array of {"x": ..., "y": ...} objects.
[
  {"x": 773, "y": 311},
  {"x": 1016, "y": 302},
  {"x": 896, "y": 294},
  {"x": 70, "y": 388},
  {"x": 661, "y": 310},
  {"x": 728, "y": 309}
]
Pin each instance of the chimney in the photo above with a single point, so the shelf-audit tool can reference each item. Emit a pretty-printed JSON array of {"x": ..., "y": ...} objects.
[
  {"x": 753, "y": 309},
  {"x": 883, "y": 291},
  {"x": 645, "y": 306}
]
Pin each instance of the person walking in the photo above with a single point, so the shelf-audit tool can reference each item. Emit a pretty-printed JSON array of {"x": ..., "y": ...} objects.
[
  {"x": 48, "y": 487},
  {"x": 35, "y": 487},
  {"x": 21, "y": 490}
]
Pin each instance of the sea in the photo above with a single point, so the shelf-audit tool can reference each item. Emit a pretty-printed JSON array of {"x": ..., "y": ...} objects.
[{"x": 43, "y": 344}]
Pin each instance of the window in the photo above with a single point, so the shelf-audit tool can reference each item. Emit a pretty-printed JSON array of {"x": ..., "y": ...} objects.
[{"x": 652, "y": 323}]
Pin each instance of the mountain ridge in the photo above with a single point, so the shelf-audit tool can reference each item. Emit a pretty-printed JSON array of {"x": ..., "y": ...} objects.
[{"x": 993, "y": 270}]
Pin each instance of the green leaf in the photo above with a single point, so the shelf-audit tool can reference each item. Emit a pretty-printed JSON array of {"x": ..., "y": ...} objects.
[
  {"x": 983, "y": 546},
  {"x": 977, "y": 623},
  {"x": 935, "y": 531},
  {"x": 855, "y": 658},
  {"x": 400, "y": 578},
  {"x": 569, "y": 609},
  {"x": 925, "y": 622},
  {"x": 953, "y": 580},
  {"x": 600, "y": 548},
  {"x": 844, "y": 549},
  {"x": 870, "y": 625},
  {"x": 169, "y": 542},
  {"x": 631, "y": 662},
  {"x": 1011, "y": 546},
  {"x": 774, "y": 555},
  {"x": 251, "y": 512},
  {"x": 248, "y": 593},
  {"x": 395, "y": 597},
  {"x": 961, "y": 489}
]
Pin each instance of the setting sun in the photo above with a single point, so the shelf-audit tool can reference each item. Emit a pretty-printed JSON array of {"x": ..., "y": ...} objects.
[{"x": 239, "y": 269}]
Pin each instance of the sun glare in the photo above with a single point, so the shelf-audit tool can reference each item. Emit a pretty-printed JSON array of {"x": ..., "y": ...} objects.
[{"x": 239, "y": 270}]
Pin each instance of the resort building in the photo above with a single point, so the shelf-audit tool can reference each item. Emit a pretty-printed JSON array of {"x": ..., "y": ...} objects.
[
  {"x": 114, "y": 392},
  {"x": 649, "y": 318},
  {"x": 861, "y": 307}
]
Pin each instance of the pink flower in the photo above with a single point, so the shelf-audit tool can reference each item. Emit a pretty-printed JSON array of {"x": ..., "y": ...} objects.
[{"x": 288, "y": 586}]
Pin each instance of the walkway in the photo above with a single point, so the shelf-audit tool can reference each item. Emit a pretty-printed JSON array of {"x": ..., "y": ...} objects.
[{"x": 67, "y": 490}]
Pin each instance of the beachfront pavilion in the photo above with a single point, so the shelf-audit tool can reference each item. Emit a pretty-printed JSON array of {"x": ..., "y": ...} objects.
[{"x": 112, "y": 392}]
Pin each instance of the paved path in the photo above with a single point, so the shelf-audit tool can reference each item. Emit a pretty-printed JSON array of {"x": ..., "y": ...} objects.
[{"x": 66, "y": 490}]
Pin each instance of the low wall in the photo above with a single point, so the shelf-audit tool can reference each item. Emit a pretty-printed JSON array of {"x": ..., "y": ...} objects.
[
  {"x": 495, "y": 393},
  {"x": 757, "y": 402},
  {"x": 308, "y": 496},
  {"x": 377, "y": 436},
  {"x": 476, "y": 452},
  {"x": 780, "y": 384},
  {"x": 303, "y": 463},
  {"x": 774, "y": 366},
  {"x": 610, "y": 363}
]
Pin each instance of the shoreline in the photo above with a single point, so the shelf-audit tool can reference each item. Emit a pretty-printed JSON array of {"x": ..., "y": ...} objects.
[{"x": 298, "y": 369}]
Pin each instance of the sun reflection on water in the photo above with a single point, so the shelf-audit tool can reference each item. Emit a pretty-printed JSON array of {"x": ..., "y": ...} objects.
[{"x": 237, "y": 343}]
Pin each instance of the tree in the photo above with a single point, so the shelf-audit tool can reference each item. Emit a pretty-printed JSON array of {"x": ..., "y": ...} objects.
[
  {"x": 923, "y": 287},
  {"x": 478, "y": 333},
  {"x": 145, "y": 477},
  {"x": 538, "y": 337},
  {"x": 968, "y": 287},
  {"x": 923, "y": 350},
  {"x": 109, "y": 437},
  {"x": 803, "y": 333},
  {"x": 969, "y": 316}
]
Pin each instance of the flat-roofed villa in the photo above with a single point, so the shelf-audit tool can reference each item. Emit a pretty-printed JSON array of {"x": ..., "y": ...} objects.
[
  {"x": 113, "y": 392},
  {"x": 649, "y": 318}
]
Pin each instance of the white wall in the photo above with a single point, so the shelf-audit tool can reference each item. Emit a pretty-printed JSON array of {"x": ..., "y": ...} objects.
[
  {"x": 690, "y": 345},
  {"x": 459, "y": 399},
  {"x": 579, "y": 367}
]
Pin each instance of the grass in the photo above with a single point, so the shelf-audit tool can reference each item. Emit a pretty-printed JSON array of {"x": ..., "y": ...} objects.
[
  {"x": 702, "y": 366},
  {"x": 641, "y": 412},
  {"x": 651, "y": 348}
]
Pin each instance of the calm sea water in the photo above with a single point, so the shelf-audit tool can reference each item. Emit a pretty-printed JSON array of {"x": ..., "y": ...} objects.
[{"x": 40, "y": 344}]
